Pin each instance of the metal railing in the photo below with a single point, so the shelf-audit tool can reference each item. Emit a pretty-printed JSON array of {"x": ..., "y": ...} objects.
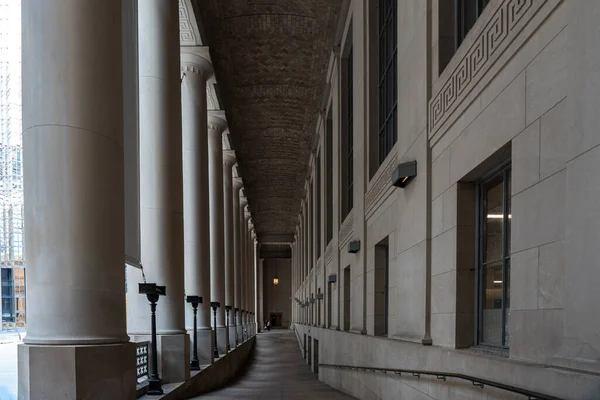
[
  {"x": 531, "y": 395},
  {"x": 141, "y": 361}
]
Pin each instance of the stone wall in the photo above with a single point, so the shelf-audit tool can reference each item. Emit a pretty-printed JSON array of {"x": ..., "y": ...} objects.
[{"x": 518, "y": 90}]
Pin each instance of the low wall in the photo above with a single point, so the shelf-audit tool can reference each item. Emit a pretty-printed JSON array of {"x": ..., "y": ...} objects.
[
  {"x": 338, "y": 347},
  {"x": 215, "y": 375}
]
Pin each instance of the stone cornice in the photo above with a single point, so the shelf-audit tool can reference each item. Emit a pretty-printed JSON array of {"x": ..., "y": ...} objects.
[{"x": 492, "y": 35}]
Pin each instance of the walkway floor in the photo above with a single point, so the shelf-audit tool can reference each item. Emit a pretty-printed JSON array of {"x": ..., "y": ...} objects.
[{"x": 277, "y": 372}]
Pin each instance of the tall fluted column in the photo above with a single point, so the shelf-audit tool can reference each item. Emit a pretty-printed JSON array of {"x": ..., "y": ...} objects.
[
  {"x": 237, "y": 186},
  {"x": 216, "y": 127},
  {"x": 196, "y": 70},
  {"x": 74, "y": 240},
  {"x": 228, "y": 163},
  {"x": 161, "y": 187}
]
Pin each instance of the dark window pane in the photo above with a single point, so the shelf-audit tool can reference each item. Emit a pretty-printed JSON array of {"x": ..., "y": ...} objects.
[{"x": 508, "y": 211}]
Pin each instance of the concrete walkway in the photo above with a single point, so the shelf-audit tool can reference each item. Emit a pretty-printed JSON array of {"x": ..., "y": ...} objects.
[{"x": 277, "y": 372}]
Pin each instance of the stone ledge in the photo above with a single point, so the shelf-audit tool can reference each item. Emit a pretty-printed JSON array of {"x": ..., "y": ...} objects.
[{"x": 211, "y": 377}]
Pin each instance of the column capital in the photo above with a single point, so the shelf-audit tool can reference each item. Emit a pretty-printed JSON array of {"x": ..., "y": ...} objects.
[
  {"x": 197, "y": 61},
  {"x": 217, "y": 124},
  {"x": 243, "y": 202},
  {"x": 229, "y": 159},
  {"x": 238, "y": 184}
]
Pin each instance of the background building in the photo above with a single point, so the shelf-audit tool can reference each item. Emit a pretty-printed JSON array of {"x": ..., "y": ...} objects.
[{"x": 12, "y": 307}]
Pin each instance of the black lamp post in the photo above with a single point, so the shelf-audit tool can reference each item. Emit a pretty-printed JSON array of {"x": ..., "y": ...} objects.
[
  {"x": 235, "y": 317},
  {"x": 195, "y": 300},
  {"x": 227, "y": 309},
  {"x": 215, "y": 305},
  {"x": 152, "y": 292}
]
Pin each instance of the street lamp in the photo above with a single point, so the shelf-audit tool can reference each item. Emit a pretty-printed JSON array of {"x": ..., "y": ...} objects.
[
  {"x": 215, "y": 305},
  {"x": 227, "y": 309},
  {"x": 194, "y": 301},
  {"x": 152, "y": 292}
]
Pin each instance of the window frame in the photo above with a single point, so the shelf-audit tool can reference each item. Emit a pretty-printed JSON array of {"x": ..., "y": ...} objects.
[
  {"x": 505, "y": 172},
  {"x": 387, "y": 87},
  {"x": 461, "y": 30}
]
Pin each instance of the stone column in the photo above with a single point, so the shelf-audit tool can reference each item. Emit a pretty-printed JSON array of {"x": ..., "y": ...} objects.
[
  {"x": 161, "y": 187},
  {"x": 260, "y": 315},
  {"x": 216, "y": 127},
  {"x": 237, "y": 186},
  {"x": 306, "y": 229},
  {"x": 248, "y": 277},
  {"x": 228, "y": 163},
  {"x": 243, "y": 261},
  {"x": 196, "y": 70},
  {"x": 253, "y": 267},
  {"x": 77, "y": 344}
]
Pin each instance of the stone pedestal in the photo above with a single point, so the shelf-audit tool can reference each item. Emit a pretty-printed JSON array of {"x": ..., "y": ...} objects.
[
  {"x": 222, "y": 340},
  {"x": 232, "y": 329},
  {"x": 173, "y": 351},
  {"x": 77, "y": 372},
  {"x": 239, "y": 328},
  {"x": 206, "y": 345}
]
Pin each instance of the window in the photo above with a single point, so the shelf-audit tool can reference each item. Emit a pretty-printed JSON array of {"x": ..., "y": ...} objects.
[
  {"x": 494, "y": 259},
  {"x": 318, "y": 203},
  {"x": 347, "y": 135},
  {"x": 380, "y": 303},
  {"x": 329, "y": 176},
  {"x": 467, "y": 12},
  {"x": 388, "y": 76}
]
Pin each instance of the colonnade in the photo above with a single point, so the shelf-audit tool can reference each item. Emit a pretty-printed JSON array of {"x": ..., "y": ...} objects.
[{"x": 196, "y": 232}]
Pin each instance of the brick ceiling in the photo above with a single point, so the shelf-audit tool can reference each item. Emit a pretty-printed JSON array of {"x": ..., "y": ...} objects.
[{"x": 270, "y": 58}]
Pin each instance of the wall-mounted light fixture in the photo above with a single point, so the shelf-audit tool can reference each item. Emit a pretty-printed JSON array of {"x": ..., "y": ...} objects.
[
  {"x": 275, "y": 278},
  {"x": 332, "y": 278},
  {"x": 319, "y": 296},
  {"x": 354, "y": 246},
  {"x": 404, "y": 173}
]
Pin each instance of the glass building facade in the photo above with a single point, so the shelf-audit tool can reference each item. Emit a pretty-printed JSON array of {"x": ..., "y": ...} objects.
[{"x": 12, "y": 266}]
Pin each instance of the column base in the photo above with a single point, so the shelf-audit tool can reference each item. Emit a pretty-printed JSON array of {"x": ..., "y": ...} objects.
[
  {"x": 77, "y": 372},
  {"x": 173, "y": 356},
  {"x": 205, "y": 345},
  {"x": 245, "y": 329},
  {"x": 222, "y": 340},
  {"x": 239, "y": 329},
  {"x": 232, "y": 330}
]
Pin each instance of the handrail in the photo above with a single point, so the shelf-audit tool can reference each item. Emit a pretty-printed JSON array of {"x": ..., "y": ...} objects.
[{"x": 531, "y": 395}]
